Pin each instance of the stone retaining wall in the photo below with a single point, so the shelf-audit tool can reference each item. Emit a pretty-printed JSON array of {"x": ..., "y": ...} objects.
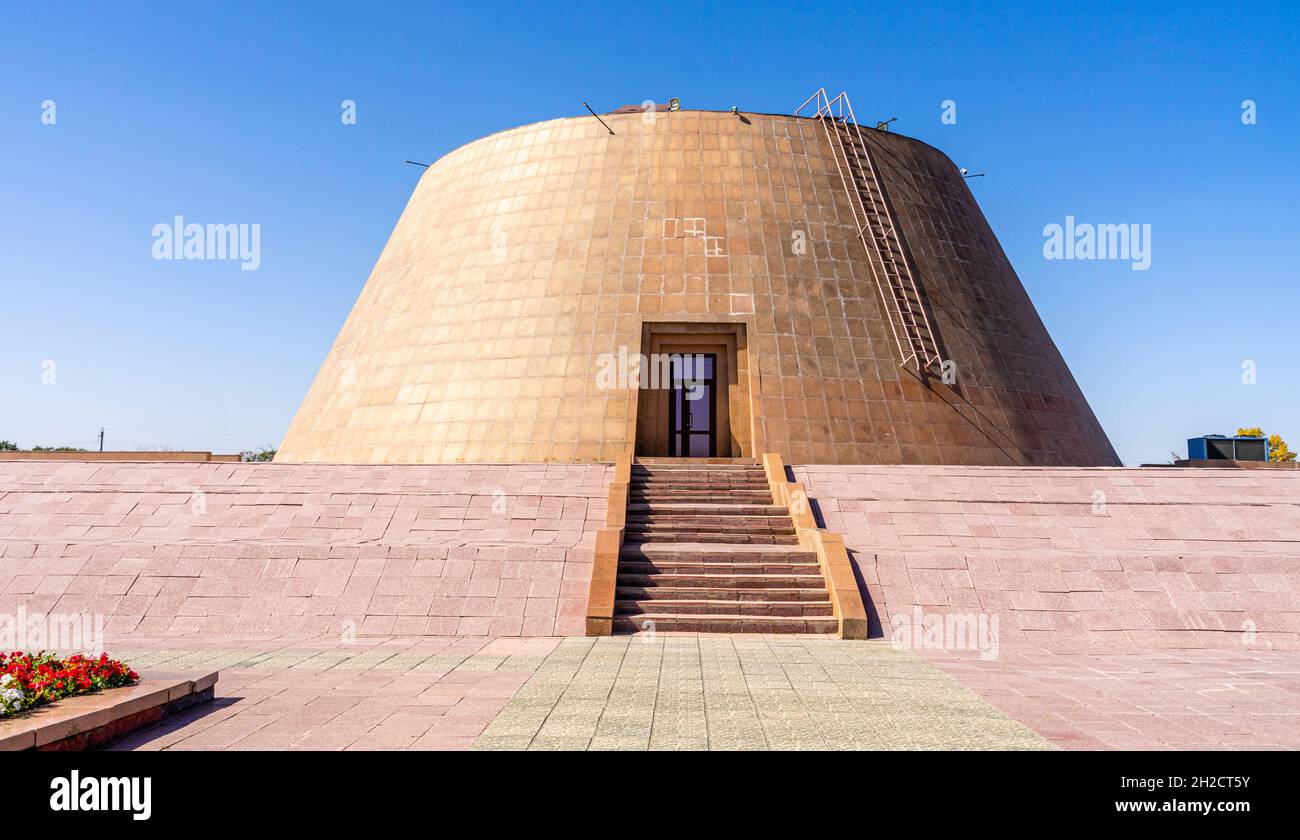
[
  {"x": 1070, "y": 557},
  {"x": 496, "y": 549}
]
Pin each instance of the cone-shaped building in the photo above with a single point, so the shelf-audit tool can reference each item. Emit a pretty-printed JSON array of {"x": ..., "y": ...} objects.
[{"x": 835, "y": 293}]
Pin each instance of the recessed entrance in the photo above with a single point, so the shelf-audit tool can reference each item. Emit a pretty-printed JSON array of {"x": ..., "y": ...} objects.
[
  {"x": 692, "y": 406},
  {"x": 694, "y": 399}
]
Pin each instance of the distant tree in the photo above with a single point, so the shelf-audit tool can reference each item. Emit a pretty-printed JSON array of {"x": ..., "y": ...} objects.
[
  {"x": 1277, "y": 448},
  {"x": 264, "y": 454},
  {"x": 8, "y": 446},
  {"x": 57, "y": 449}
]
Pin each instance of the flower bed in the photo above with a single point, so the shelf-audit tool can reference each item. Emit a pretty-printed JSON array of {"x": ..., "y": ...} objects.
[{"x": 28, "y": 680}]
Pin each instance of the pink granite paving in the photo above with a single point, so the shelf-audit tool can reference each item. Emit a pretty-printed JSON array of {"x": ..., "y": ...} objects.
[
  {"x": 202, "y": 548},
  {"x": 443, "y": 693},
  {"x": 378, "y": 694},
  {"x": 1077, "y": 558},
  {"x": 1147, "y": 700}
]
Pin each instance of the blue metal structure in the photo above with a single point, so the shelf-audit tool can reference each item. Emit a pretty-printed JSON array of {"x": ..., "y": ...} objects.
[{"x": 1225, "y": 448}]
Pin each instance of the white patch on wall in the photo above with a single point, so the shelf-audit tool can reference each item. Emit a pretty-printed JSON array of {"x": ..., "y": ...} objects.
[{"x": 741, "y": 304}]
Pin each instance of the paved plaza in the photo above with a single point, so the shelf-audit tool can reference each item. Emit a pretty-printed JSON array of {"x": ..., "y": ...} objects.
[
  {"x": 1143, "y": 700},
  {"x": 441, "y": 607},
  {"x": 700, "y": 692},
  {"x": 737, "y": 693}
]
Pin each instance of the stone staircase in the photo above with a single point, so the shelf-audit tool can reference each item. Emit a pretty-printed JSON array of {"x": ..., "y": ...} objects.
[{"x": 705, "y": 550}]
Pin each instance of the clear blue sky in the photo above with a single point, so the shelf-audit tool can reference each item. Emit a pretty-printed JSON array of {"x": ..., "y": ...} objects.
[{"x": 230, "y": 113}]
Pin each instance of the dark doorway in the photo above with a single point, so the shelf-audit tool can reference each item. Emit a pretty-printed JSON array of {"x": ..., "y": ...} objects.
[{"x": 692, "y": 406}]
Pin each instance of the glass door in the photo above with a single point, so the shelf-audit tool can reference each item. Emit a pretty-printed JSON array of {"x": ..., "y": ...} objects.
[{"x": 692, "y": 412}]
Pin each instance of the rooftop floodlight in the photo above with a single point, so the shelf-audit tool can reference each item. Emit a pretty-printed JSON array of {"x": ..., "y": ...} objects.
[
  {"x": 884, "y": 126},
  {"x": 735, "y": 110},
  {"x": 674, "y": 104}
]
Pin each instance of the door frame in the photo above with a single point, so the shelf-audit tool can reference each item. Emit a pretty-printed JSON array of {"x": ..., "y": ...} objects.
[{"x": 738, "y": 432}]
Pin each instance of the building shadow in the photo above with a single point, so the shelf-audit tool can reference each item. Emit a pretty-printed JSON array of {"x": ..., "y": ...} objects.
[
  {"x": 177, "y": 720},
  {"x": 875, "y": 628}
]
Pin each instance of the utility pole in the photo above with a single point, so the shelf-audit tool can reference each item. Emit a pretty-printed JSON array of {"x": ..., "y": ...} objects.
[{"x": 101, "y": 438}]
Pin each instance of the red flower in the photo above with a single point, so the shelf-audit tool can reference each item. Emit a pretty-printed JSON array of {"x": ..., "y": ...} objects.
[{"x": 44, "y": 678}]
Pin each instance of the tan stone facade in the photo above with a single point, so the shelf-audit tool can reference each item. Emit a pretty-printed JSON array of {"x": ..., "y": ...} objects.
[{"x": 529, "y": 263}]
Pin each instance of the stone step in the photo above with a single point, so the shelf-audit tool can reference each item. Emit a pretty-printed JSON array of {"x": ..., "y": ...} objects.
[
  {"x": 699, "y": 469},
  {"x": 724, "y": 624},
  {"x": 706, "y": 518},
  {"x": 713, "y": 551},
  {"x": 720, "y": 581},
  {"x": 700, "y": 481},
  {"x": 699, "y": 475},
  {"x": 696, "y": 469},
  {"x": 736, "y": 525},
  {"x": 704, "y": 606},
  {"x": 705, "y": 524},
  {"x": 697, "y": 489},
  {"x": 696, "y": 463},
  {"x": 677, "y": 497},
  {"x": 731, "y": 595},
  {"x": 680, "y": 495},
  {"x": 658, "y": 534},
  {"x": 719, "y": 508},
  {"x": 700, "y": 484},
  {"x": 700, "y": 527},
  {"x": 716, "y": 567}
]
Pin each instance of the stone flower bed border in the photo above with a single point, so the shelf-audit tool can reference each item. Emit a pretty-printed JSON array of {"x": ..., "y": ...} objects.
[
  {"x": 80, "y": 703},
  {"x": 31, "y": 680}
]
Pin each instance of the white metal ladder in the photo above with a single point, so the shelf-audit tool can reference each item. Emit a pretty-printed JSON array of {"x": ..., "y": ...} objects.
[{"x": 878, "y": 231}]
